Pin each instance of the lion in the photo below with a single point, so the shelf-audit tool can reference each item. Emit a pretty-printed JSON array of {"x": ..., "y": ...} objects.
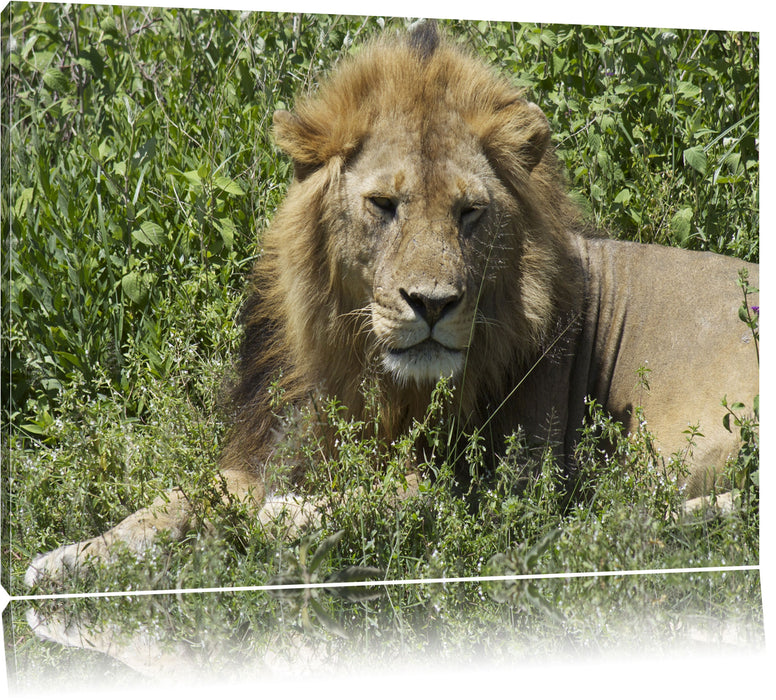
[{"x": 428, "y": 233}]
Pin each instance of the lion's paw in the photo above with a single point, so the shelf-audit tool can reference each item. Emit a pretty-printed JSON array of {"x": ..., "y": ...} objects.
[
  {"x": 295, "y": 512},
  {"x": 721, "y": 504},
  {"x": 63, "y": 563}
]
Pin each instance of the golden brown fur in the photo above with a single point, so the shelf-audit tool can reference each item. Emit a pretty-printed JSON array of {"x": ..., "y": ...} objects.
[
  {"x": 300, "y": 318},
  {"x": 427, "y": 232}
]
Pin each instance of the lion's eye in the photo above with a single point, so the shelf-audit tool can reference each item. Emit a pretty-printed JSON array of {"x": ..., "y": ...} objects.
[
  {"x": 384, "y": 204},
  {"x": 470, "y": 214}
]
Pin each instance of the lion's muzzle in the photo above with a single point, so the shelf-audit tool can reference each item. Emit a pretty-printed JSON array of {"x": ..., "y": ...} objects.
[
  {"x": 431, "y": 306},
  {"x": 423, "y": 363},
  {"x": 423, "y": 331}
]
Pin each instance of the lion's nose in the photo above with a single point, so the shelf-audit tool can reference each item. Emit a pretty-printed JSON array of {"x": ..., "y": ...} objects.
[{"x": 432, "y": 305}]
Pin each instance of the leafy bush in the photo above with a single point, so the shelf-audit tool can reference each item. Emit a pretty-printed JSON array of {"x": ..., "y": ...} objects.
[{"x": 143, "y": 166}]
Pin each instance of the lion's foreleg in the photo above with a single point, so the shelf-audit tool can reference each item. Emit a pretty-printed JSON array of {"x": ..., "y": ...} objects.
[
  {"x": 295, "y": 513},
  {"x": 140, "y": 649},
  {"x": 172, "y": 513}
]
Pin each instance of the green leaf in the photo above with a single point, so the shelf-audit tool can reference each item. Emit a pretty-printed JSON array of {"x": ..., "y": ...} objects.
[
  {"x": 92, "y": 62},
  {"x": 34, "y": 429},
  {"x": 145, "y": 152},
  {"x": 108, "y": 24},
  {"x": 23, "y": 201},
  {"x": 227, "y": 230},
  {"x": 681, "y": 224},
  {"x": 356, "y": 573},
  {"x": 41, "y": 59},
  {"x": 150, "y": 234},
  {"x": 304, "y": 547},
  {"x": 695, "y": 157},
  {"x": 687, "y": 89},
  {"x": 324, "y": 548},
  {"x": 193, "y": 177},
  {"x": 228, "y": 185},
  {"x": 28, "y": 45},
  {"x": 136, "y": 286},
  {"x": 331, "y": 625},
  {"x": 623, "y": 196},
  {"x": 55, "y": 79},
  {"x": 287, "y": 579},
  {"x": 71, "y": 358}
]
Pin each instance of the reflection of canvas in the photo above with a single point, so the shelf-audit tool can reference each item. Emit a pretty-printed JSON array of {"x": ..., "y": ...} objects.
[{"x": 248, "y": 635}]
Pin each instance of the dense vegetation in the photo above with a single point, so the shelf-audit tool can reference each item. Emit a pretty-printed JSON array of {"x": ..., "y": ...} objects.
[{"x": 142, "y": 176}]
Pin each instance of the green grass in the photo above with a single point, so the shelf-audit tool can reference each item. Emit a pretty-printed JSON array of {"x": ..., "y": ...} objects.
[{"x": 142, "y": 177}]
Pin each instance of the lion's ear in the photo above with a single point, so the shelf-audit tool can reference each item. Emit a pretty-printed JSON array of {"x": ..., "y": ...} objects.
[
  {"x": 515, "y": 138},
  {"x": 313, "y": 139},
  {"x": 297, "y": 140}
]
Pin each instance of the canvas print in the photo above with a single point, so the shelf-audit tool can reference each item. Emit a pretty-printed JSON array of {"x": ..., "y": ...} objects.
[{"x": 342, "y": 340}]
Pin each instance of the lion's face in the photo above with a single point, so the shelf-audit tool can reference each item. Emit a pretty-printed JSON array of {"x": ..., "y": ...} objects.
[
  {"x": 423, "y": 214},
  {"x": 415, "y": 243}
]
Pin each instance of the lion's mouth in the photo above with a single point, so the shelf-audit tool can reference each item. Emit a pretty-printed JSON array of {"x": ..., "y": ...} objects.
[
  {"x": 424, "y": 362},
  {"x": 429, "y": 345}
]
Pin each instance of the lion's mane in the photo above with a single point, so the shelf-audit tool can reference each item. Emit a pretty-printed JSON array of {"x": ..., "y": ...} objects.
[{"x": 301, "y": 330}]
